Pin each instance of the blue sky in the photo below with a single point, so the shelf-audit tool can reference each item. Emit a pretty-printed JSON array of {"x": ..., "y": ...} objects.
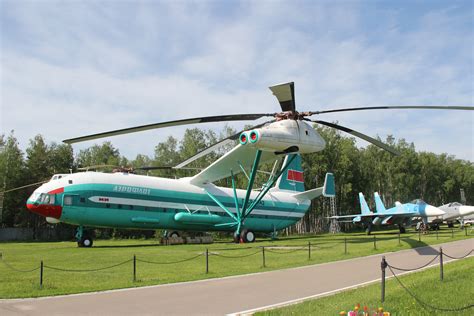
[{"x": 70, "y": 68}]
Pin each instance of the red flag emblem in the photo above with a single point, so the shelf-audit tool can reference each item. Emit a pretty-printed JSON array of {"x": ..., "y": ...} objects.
[{"x": 294, "y": 175}]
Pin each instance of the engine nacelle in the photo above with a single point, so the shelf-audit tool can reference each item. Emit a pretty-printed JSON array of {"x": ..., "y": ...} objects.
[{"x": 284, "y": 136}]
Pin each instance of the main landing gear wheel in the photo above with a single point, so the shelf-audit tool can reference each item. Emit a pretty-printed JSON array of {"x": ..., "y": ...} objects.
[
  {"x": 247, "y": 236},
  {"x": 85, "y": 242},
  {"x": 174, "y": 234}
]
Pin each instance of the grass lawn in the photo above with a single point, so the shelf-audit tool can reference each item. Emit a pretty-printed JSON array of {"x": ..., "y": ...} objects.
[
  {"x": 225, "y": 259},
  {"x": 455, "y": 291}
]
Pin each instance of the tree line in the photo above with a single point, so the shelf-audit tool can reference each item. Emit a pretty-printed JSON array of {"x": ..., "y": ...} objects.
[{"x": 435, "y": 178}]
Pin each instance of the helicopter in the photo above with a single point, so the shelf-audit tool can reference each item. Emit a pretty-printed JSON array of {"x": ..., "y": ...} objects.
[{"x": 127, "y": 200}]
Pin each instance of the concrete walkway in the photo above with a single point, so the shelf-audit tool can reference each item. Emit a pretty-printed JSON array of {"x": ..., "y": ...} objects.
[{"x": 231, "y": 295}]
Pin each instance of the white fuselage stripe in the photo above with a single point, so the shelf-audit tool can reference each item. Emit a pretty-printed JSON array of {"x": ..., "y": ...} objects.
[{"x": 190, "y": 207}]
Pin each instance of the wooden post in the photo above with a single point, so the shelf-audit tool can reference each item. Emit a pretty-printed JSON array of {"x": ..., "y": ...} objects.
[
  {"x": 452, "y": 232},
  {"x": 375, "y": 243},
  {"x": 207, "y": 260},
  {"x": 134, "y": 268},
  {"x": 419, "y": 234},
  {"x": 399, "y": 239},
  {"x": 441, "y": 272},
  {"x": 345, "y": 245},
  {"x": 263, "y": 256},
  {"x": 41, "y": 275},
  {"x": 309, "y": 250},
  {"x": 383, "y": 266},
  {"x": 437, "y": 234}
]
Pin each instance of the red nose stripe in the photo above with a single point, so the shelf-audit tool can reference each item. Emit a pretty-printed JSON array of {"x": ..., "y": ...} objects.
[
  {"x": 294, "y": 175},
  {"x": 57, "y": 191},
  {"x": 46, "y": 210}
]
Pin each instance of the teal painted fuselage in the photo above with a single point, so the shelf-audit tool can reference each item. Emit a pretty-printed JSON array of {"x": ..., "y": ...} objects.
[{"x": 140, "y": 202}]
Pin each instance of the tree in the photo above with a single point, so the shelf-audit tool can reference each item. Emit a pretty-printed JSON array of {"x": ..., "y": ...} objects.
[{"x": 11, "y": 176}]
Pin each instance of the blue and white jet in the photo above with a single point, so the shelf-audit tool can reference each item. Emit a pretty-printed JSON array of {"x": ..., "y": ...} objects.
[{"x": 402, "y": 215}]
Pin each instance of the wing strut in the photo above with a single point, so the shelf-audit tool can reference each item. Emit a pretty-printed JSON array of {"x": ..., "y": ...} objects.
[{"x": 248, "y": 206}]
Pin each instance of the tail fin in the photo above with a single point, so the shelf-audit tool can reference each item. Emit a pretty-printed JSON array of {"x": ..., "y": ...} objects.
[
  {"x": 379, "y": 206},
  {"x": 364, "y": 208},
  {"x": 292, "y": 178}
]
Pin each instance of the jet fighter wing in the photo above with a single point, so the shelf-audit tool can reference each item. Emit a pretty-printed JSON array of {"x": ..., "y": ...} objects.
[{"x": 241, "y": 157}]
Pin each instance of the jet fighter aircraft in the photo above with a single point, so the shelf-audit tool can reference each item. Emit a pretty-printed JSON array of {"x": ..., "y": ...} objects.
[
  {"x": 401, "y": 214},
  {"x": 456, "y": 211}
]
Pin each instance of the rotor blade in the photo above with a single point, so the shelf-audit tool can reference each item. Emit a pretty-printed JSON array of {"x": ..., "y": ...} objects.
[
  {"x": 96, "y": 167},
  {"x": 360, "y": 135},
  {"x": 285, "y": 93},
  {"x": 25, "y": 186},
  {"x": 196, "y": 120},
  {"x": 222, "y": 142},
  {"x": 419, "y": 107},
  {"x": 146, "y": 168}
]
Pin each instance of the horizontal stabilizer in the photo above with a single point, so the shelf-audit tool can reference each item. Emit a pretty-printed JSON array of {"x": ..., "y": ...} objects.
[{"x": 327, "y": 190}]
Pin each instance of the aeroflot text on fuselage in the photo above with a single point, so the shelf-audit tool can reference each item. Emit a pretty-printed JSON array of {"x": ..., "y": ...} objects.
[{"x": 142, "y": 191}]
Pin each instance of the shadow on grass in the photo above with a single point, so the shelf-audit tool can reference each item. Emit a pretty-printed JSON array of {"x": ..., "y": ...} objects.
[{"x": 126, "y": 246}]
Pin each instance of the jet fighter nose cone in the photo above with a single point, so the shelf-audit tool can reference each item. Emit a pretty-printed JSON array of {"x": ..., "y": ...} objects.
[
  {"x": 431, "y": 210},
  {"x": 466, "y": 210}
]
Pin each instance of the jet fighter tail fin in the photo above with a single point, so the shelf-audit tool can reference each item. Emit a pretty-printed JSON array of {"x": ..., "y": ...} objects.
[
  {"x": 364, "y": 208},
  {"x": 379, "y": 206}
]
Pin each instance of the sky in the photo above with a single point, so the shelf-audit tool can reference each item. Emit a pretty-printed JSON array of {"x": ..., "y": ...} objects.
[{"x": 72, "y": 68}]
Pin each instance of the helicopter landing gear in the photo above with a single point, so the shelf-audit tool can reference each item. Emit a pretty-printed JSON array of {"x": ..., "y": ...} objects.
[
  {"x": 247, "y": 236},
  {"x": 83, "y": 238}
]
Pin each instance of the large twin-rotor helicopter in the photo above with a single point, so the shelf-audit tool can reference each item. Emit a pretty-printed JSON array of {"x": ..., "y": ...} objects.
[{"x": 126, "y": 200}]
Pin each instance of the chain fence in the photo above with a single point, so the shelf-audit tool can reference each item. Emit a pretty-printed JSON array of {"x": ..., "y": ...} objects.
[
  {"x": 227, "y": 253},
  {"x": 426, "y": 305},
  {"x": 385, "y": 264}
]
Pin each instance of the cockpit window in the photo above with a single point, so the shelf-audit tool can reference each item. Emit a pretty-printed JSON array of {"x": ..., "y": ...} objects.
[
  {"x": 43, "y": 198},
  {"x": 418, "y": 201},
  {"x": 455, "y": 204}
]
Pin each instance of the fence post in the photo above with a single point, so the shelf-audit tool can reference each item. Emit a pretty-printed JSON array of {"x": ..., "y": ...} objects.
[
  {"x": 399, "y": 239},
  {"x": 263, "y": 256},
  {"x": 419, "y": 234},
  {"x": 441, "y": 272},
  {"x": 134, "y": 268},
  {"x": 437, "y": 234},
  {"x": 452, "y": 232},
  {"x": 465, "y": 232},
  {"x": 207, "y": 260},
  {"x": 375, "y": 243},
  {"x": 345, "y": 245},
  {"x": 383, "y": 266},
  {"x": 309, "y": 250},
  {"x": 41, "y": 275}
]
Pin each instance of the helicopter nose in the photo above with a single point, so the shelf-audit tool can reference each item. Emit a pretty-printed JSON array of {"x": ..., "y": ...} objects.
[
  {"x": 45, "y": 210},
  {"x": 431, "y": 210}
]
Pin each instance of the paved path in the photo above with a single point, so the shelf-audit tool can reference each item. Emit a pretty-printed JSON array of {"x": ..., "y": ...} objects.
[{"x": 232, "y": 294}]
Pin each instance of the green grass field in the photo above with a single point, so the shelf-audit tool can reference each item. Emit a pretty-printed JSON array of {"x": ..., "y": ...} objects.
[
  {"x": 226, "y": 259},
  {"x": 456, "y": 290}
]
